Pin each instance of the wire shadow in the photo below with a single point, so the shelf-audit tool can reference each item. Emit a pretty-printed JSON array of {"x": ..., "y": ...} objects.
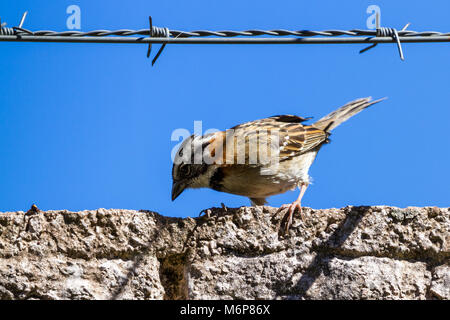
[
  {"x": 171, "y": 268},
  {"x": 336, "y": 239},
  {"x": 145, "y": 250}
]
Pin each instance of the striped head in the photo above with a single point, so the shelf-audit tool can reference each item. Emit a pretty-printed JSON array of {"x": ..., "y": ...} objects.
[{"x": 189, "y": 170}]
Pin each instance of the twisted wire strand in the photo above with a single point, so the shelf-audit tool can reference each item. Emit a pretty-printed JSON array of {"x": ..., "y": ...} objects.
[
  {"x": 164, "y": 32},
  {"x": 374, "y": 36},
  {"x": 158, "y": 32},
  {"x": 5, "y": 31}
]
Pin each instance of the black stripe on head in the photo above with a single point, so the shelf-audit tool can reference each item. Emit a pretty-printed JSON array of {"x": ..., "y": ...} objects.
[
  {"x": 290, "y": 118},
  {"x": 216, "y": 180}
]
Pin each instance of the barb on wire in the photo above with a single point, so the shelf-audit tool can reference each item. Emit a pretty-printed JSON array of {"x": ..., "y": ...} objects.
[
  {"x": 165, "y": 36},
  {"x": 387, "y": 32},
  {"x": 17, "y": 31},
  {"x": 156, "y": 32}
]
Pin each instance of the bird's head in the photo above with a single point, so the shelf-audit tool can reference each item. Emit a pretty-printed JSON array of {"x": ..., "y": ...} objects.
[{"x": 189, "y": 169}]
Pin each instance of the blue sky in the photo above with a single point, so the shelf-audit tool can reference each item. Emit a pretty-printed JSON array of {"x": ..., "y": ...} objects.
[{"x": 86, "y": 126}]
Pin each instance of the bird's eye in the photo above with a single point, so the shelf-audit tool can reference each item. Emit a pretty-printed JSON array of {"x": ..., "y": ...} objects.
[{"x": 185, "y": 170}]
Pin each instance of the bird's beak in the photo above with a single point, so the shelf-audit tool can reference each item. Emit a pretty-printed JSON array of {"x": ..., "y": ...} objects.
[{"x": 177, "y": 188}]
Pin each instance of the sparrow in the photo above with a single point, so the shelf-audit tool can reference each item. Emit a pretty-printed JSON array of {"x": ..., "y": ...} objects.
[{"x": 258, "y": 159}]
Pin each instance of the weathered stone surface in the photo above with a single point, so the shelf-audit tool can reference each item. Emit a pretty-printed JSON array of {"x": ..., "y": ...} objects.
[
  {"x": 350, "y": 253},
  {"x": 440, "y": 286}
]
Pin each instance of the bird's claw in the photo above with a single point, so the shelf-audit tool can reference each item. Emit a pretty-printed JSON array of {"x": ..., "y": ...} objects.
[
  {"x": 224, "y": 207},
  {"x": 207, "y": 213},
  {"x": 291, "y": 208}
]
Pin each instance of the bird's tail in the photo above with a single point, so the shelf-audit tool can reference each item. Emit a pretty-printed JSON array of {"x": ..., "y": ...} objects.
[{"x": 334, "y": 119}]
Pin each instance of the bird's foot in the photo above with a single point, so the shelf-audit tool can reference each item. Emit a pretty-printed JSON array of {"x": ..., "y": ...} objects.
[
  {"x": 224, "y": 207},
  {"x": 206, "y": 212},
  {"x": 291, "y": 208}
]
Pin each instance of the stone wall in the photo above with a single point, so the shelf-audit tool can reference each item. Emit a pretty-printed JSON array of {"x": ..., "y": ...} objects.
[{"x": 350, "y": 253}]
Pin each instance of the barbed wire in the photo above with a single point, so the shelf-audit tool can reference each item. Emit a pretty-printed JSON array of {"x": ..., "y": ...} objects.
[
  {"x": 159, "y": 32},
  {"x": 277, "y": 36}
]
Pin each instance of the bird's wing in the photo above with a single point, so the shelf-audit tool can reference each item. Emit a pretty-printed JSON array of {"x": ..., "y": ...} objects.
[
  {"x": 294, "y": 137},
  {"x": 253, "y": 143}
]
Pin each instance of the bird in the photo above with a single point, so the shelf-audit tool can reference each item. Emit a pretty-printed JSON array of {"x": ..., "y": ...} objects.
[{"x": 259, "y": 159}]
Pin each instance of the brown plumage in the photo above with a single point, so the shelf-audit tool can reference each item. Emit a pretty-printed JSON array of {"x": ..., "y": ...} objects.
[
  {"x": 293, "y": 138},
  {"x": 260, "y": 158}
]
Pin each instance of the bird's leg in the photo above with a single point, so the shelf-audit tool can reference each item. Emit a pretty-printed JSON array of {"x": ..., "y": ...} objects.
[{"x": 297, "y": 204}]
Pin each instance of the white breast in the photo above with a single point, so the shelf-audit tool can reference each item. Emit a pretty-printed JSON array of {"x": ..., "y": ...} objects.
[
  {"x": 272, "y": 179},
  {"x": 295, "y": 170}
]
